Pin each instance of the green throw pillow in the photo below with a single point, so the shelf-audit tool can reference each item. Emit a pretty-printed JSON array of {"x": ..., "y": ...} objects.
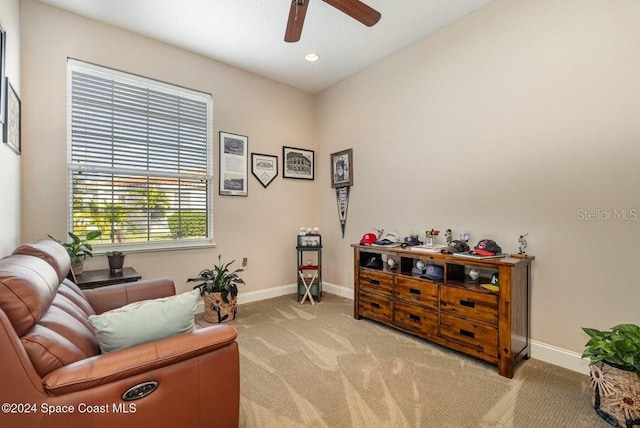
[{"x": 145, "y": 321}]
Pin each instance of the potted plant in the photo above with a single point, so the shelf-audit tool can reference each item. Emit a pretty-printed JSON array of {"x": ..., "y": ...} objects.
[
  {"x": 116, "y": 261},
  {"x": 615, "y": 373},
  {"x": 79, "y": 249},
  {"x": 219, "y": 288}
]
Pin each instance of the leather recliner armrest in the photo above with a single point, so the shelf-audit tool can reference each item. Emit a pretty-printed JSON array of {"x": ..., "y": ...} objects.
[
  {"x": 113, "y": 366},
  {"x": 104, "y": 299}
]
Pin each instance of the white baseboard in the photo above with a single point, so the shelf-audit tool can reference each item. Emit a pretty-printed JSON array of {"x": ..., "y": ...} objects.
[
  {"x": 559, "y": 357},
  {"x": 540, "y": 351}
]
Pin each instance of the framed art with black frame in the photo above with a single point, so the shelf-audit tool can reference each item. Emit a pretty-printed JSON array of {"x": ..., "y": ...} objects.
[
  {"x": 264, "y": 168},
  {"x": 12, "y": 119},
  {"x": 234, "y": 164},
  {"x": 342, "y": 168},
  {"x": 3, "y": 85},
  {"x": 298, "y": 163}
]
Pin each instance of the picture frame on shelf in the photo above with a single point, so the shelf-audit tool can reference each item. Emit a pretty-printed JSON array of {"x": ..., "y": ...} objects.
[
  {"x": 264, "y": 168},
  {"x": 13, "y": 119},
  {"x": 234, "y": 164},
  {"x": 342, "y": 168},
  {"x": 298, "y": 163}
]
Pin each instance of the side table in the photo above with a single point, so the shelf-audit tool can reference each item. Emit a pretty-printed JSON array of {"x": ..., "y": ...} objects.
[{"x": 102, "y": 277}]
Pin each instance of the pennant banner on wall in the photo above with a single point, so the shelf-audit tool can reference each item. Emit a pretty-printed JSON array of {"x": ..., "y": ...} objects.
[{"x": 342, "y": 197}]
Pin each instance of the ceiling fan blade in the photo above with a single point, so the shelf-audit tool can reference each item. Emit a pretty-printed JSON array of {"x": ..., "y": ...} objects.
[
  {"x": 296, "y": 19},
  {"x": 357, "y": 10}
]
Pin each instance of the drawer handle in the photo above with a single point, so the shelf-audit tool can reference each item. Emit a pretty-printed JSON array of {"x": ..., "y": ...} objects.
[
  {"x": 468, "y": 333},
  {"x": 415, "y": 318},
  {"x": 414, "y": 291},
  {"x": 374, "y": 281},
  {"x": 375, "y": 305},
  {"x": 467, "y": 303}
]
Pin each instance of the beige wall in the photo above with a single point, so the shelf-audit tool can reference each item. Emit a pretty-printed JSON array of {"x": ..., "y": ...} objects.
[
  {"x": 509, "y": 121},
  {"x": 261, "y": 227},
  {"x": 9, "y": 161}
]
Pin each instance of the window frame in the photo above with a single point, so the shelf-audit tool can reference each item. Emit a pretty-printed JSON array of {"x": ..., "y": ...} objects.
[{"x": 156, "y": 85}]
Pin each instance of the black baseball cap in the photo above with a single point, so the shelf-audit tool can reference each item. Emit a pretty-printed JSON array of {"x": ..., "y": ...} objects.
[
  {"x": 456, "y": 246},
  {"x": 487, "y": 247}
]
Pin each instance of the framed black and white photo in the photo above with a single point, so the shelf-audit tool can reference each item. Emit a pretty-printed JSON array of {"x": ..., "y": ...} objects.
[
  {"x": 234, "y": 164},
  {"x": 298, "y": 163},
  {"x": 264, "y": 168},
  {"x": 12, "y": 119},
  {"x": 3, "y": 60},
  {"x": 342, "y": 168}
]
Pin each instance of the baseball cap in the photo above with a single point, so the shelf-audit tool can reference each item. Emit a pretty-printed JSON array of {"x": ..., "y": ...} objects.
[
  {"x": 411, "y": 241},
  {"x": 435, "y": 272},
  {"x": 368, "y": 239},
  {"x": 456, "y": 246},
  {"x": 494, "y": 285},
  {"x": 388, "y": 238},
  {"x": 487, "y": 247},
  {"x": 375, "y": 262}
]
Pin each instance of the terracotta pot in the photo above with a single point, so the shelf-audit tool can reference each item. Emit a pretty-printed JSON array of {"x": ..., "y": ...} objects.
[{"x": 216, "y": 310}]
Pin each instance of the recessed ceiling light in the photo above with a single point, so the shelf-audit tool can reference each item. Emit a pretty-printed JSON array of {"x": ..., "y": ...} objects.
[{"x": 311, "y": 57}]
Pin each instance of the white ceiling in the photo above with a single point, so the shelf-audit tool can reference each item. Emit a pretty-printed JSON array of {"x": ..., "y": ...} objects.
[{"x": 249, "y": 34}]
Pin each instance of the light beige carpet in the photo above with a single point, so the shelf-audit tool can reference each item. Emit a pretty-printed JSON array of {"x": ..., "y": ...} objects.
[{"x": 316, "y": 366}]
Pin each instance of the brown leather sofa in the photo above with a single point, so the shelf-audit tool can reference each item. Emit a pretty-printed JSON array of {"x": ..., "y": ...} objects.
[{"x": 52, "y": 373}]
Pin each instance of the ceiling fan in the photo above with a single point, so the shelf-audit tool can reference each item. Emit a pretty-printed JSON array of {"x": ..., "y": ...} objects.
[{"x": 354, "y": 8}]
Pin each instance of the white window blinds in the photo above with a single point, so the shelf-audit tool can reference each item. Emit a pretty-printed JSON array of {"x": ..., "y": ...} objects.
[{"x": 139, "y": 159}]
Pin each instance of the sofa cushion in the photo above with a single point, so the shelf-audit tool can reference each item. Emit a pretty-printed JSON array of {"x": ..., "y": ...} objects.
[
  {"x": 49, "y": 350},
  {"x": 51, "y": 252},
  {"x": 145, "y": 321},
  {"x": 28, "y": 285}
]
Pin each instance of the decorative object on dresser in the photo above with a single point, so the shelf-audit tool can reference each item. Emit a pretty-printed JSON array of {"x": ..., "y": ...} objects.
[
  {"x": 219, "y": 288},
  {"x": 440, "y": 306},
  {"x": 79, "y": 249},
  {"x": 614, "y": 357}
]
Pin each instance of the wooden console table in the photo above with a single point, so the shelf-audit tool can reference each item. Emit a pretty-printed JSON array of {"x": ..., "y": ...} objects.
[{"x": 102, "y": 277}]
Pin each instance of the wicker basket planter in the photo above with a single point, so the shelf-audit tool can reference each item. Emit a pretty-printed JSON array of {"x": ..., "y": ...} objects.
[
  {"x": 216, "y": 310},
  {"x": 616, "y": 394}
]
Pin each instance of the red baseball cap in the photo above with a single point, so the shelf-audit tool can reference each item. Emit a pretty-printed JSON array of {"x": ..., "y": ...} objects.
[{"x": 368, "y": 239}]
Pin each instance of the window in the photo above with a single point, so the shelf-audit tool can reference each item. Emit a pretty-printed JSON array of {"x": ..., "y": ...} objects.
[{"x": 138, "y": 161}]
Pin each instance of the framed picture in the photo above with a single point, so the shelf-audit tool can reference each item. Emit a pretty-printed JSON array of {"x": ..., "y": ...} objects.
[
  {"x": 342, "y": 168},
  {"x": 298, "y": 163},
  {"x": 234, "y": 164},
  {"x": 12, "y": 119},
  {"x": 264, "y": 168},
  {"x": 3, "y": 85}
]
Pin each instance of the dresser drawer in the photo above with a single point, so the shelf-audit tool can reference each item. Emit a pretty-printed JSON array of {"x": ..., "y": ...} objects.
[
  {"x": 418, "y": 291},
  {"x": 415, "y": 318},
  {"x": 378, "y": 282},
  {"x": 483, "y": 338},
  {"x": 470, "y": 304},
  {"x": 375, "y": 307}
]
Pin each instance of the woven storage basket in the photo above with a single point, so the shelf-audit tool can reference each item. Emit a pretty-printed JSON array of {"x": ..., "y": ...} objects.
[
  {"x": 616, "y": 394},
  {"x": 216, "y": 310}
]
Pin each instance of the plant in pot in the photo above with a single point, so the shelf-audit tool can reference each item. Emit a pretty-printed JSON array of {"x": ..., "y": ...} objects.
[
  {"x": 116, "y": 261},
  {"x": 219, "y": 288},
  {"x": 615, "y": 373},
  {"x": 79, "y": 249}
]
